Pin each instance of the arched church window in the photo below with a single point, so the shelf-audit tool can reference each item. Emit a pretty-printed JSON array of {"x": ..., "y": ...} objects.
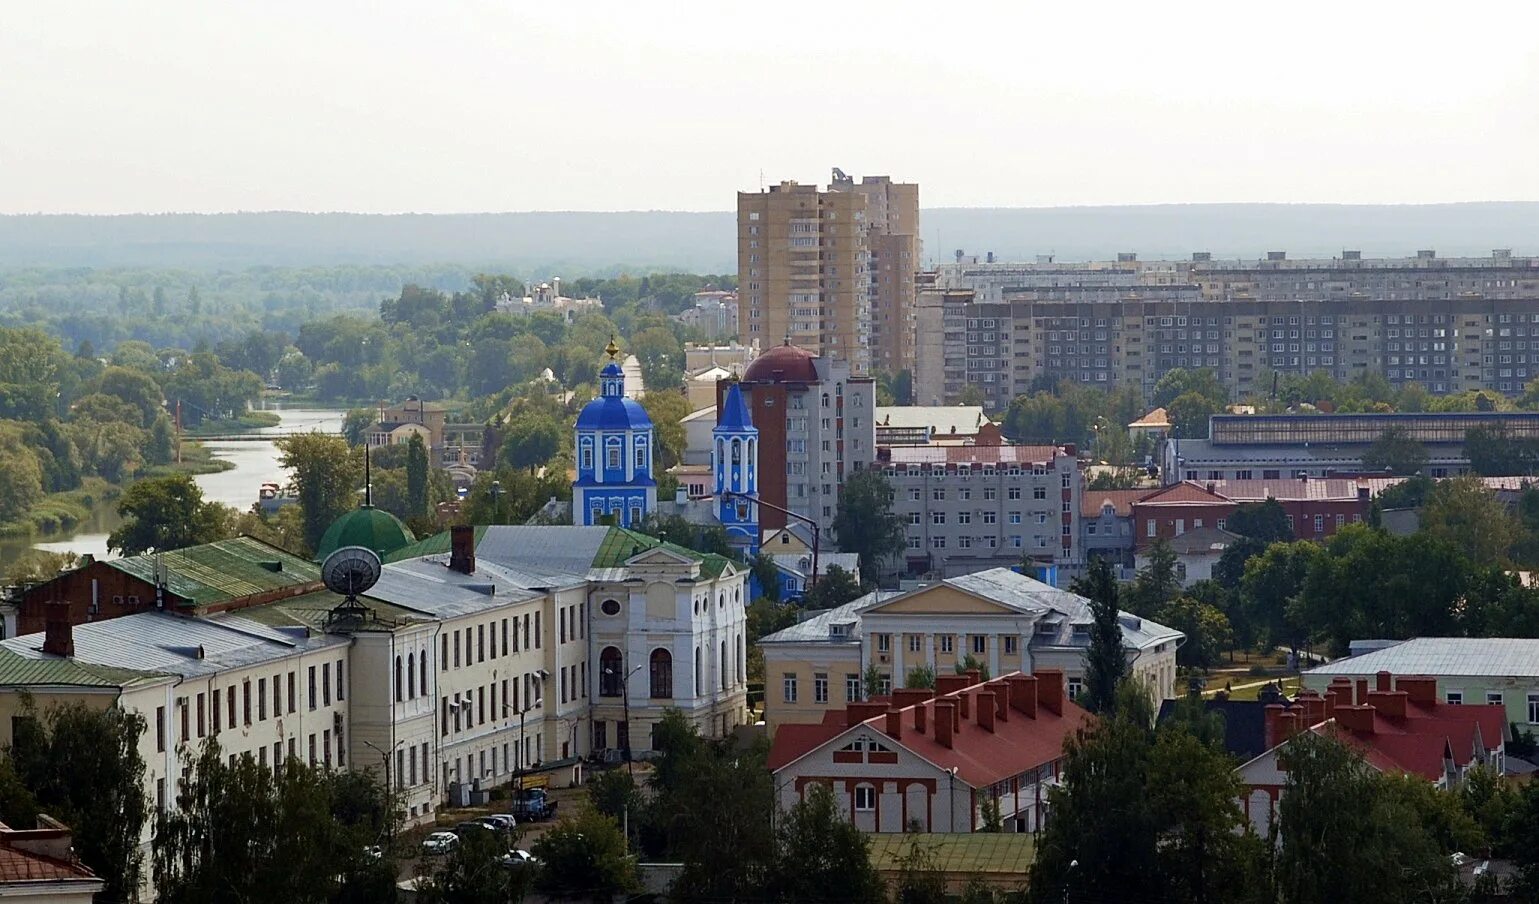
[{"x": 737, "y": 451}]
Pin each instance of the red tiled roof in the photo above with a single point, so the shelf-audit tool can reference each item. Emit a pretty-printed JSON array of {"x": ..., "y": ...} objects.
[
  {"x": 1313, "y": 488},
  {"x": 25, "y": 866},
  {"x": 927, "y": 455},
  {"x": 1121, "y": 501},
  {"x": 981, "y": 757}
]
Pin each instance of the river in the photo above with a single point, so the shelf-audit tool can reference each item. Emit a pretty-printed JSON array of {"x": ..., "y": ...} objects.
[{"x": 256, "y": 463}]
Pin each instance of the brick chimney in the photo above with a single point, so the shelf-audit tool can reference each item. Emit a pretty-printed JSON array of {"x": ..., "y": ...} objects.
[
  {"x": 986, "y": 711},
  {"x": 1050, "y": 690},
  {"x": 973, "y": 676},
  {"x": 945, "y": 715},
  {"x": 858, "y": 712},
  {"x": 895, "y": 723},
  {"x": 1272, "y": 725},
  {"x": 1362, "y": 691},
  {"x": 1023, "y": 695},
  {"x": 1357, "y": 719},
  {"x": 1420, "y": 689},
  {"x": 1313, "y": 708},
  {"x": 964, "y": 704},
  {"x": 58, "y": 633},
  {"x": 1342, "y": 685},
  {"x": 1001, "y": 689},
  {"x": 905, "y": 697},
  {"x": 1389, "y": 703},
  {"x": 462, "y": 548},
  {"x": 1331, "y": 702},
  {"x": 1382, "y": 681},
  {"x": 947, "y": 684},
  {"x": 919, "y": 717}
]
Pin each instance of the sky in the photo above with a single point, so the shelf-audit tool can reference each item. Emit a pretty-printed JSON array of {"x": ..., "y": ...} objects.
[{"x": 443, "y": 106}]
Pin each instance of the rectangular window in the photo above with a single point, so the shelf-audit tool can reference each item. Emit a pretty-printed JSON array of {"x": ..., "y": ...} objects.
[
  {"x": 326, "y": 683},
  {"x": 480, "y": 643},
  {"x": 456, "y": 649},
  {"x": 820, "y": 687},
  {"x": 1533, "y": 708},
  {"x": 1009, "y": 646},
  {"x": 312, "y": 688},
  {"x": 1076, "y": 685},
  {"x": 202, "y": 717},
  {"x": 1494, "y": 697},
  {"x": 865, "y": 797},
  {"x": 980, "y": 643},
  {"x": 214, "y": 713},
  {"x": 788, "y": 687},
  {"x": 245, "y": 701},
  {"x": 277, "y": 696},
  {"x": 947, "y": 642},
  {"x": 505, "y": 637},
  {"x": 883, "y": 643},
  {"x": 536, "y": 630},
  {"x": 231, "y": 700},
  {"x": 160, "y": 729},
  {"x": 261, "y": 699},
  {"x": 913, "y": 643},
  {"x": 852, "y": 693},
  {"x": 293, "y": 697},
  {"x": 1455, "y": 698}
]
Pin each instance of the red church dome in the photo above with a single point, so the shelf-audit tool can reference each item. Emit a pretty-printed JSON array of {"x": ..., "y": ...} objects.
[{"x": 783, "y": 364}]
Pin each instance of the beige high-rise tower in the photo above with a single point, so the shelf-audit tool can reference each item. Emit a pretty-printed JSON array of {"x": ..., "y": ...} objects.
[{"x": 831, "y": 271}]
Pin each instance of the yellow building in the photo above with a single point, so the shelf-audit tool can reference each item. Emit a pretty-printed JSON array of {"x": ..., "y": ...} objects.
[{"x": 1005, "y": 621}]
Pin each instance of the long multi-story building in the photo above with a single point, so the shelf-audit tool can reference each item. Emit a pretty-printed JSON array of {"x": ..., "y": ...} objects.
[
  {"x": 831, "y": 271},
  {"x": 1450, "y": 325}
]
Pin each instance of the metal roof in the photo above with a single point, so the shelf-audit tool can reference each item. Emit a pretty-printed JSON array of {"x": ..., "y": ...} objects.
[
  {"x": 938, "y": 419},
  {"x": 816, "y": 627},
  {"x": 1496, "y": 657},
  {"x": 792, "y": 562},
  {"x": 227, "y": 569},
  {"x": 178, "y": 645},
  {"x": 17, "y": 670}
]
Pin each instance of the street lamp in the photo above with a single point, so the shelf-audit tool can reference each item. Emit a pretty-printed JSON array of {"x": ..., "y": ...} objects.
[
  {"x": 625, "y": 702},
  {"x": 496, "y": 502},
  {"x": 744, "y": 498},
  {"x": 384, "y": 756}
]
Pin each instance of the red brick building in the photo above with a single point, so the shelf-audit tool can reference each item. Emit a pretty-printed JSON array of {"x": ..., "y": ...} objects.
[{"x": 1316, "y": 507}]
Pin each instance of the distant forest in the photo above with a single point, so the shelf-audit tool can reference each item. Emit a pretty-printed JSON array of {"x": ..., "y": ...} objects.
[{"x": 601, "y": 244}]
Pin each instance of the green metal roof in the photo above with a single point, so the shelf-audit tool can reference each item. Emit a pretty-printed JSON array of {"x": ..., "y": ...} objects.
[
  {"x": 368, "y": 527},
  {"x": 311, "y": 610},
  {"x": 969, "y": 853},
  {"x": 624, "y": 543},
  {"x": 17, "y": 670},
  {"x": 215, "y": 572},
  {"x": 436, "y": 545}
]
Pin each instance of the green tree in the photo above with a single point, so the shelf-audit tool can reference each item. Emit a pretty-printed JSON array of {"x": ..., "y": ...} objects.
[
  {"x": 834, "y": 588},
  {"x": 531, "y": 440},
  {"x": 326, "y": 475},
  {"x": 615, "y": 794},
  {"x": 356, "y": 423},
  {"x": 164, "y": 513},
  {"x": 416, "y": 476},
  {"x": 21, "y": 478},
  {"x": 1344, "y": 833},
  {"x": 1179, "y": 381},
  {"x": 242, "y": 831},
  {"x": 136, "y": 388},
  {"x": 83, "y": 767},
  {"x": 822, "y": 855},
  {"x": 1264, "y": 521},
  {"x": 473, "y": 873},
  {"x": 865, "y": 522},
  {"x": 1273, "y": 582},
  {"x": 920, "y": 676},
  {"x": 1157, "y": 584},
  {"x": 1396, "y": 452},
  {"x": 1207, "y": 630},
  {"x": 1189, "y": 414},
  {"x": 767, "y": 575},
  {"x": 667, "y": 410},
  {"x": 971, "y": 663},
  {"x": 1493, "y": 452},
  {"x": 1463, "y": 512},
  {"x": 1106, "y": 662}
]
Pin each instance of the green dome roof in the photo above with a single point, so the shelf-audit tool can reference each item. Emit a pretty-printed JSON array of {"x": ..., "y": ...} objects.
[{"x": 368, "y": 527}]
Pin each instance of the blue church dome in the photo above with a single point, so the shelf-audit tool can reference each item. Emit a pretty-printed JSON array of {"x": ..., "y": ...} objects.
[
  {"x": 614, "y": 481},
  {"x": 609, "y": 413}
]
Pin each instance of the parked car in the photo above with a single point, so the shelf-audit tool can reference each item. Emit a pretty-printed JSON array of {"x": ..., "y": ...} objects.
[
  {"x": 516, "y": 858},
  {"x": 504, "y": 821},
  {"x": 476, "y": 825},
  {"x": 374, "y": 852},
  {"x": 440, "y": 843}
]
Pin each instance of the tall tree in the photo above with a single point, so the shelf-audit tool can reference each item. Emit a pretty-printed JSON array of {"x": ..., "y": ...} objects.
[
  {"x": 865, "y": 522},
  {"x": 416, "y": 476},
  {"x": 1264, "y": 521},
  {"x": 1189, "y": 413},
  {"x": 834, "y": 588},
  {"x": 1179, "y": 381},
  {"x": 667, "y": 409},
  {"x": 823, "y": 856},
  {"x": 164, "y": 513},
  {"x": 327, "y": 477},
  {"x": 1395, "y": 451},
  {"x": 1463, "y": 512},
  {"x": 530, "y": 440},
  {"x": 1106, "y": 662},
  {"x": 1157, "y": 584},
  {"x": 84, "y": 768}
]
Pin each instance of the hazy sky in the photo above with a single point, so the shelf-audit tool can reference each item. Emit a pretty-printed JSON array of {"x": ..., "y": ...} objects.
[{"x": 437, "y": 106}]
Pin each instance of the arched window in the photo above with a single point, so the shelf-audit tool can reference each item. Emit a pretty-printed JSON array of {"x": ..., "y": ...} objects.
[
  {"x": 753, "y": 446},
  {"x": 825, "y": 400},
  {"x": 721, "y": 450},
  {"x": 422, "y": 669},
  {"x": 721, "y": 665},
  {"x": 398, "y": 679},
  {"x": 662, "y": 675},
  {"x": 611, "y": 673},
  {"x": 411, "y": 676},
  {"x": 737, "y": 451},
  {"x": 698, "y": 686},
  {"x": 740, "y": 678}
]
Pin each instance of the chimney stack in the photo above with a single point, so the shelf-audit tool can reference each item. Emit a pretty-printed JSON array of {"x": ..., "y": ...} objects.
[
  {"x": 462, "y": 548},
  {"x": 986, "y": 711},
  {"x": 1388, "y": 703},
  {"x": 1001, "y": 689},
  {"x": 945, "y": 715},
  {"x": 964, "y": 705},
  {"x": 1272, "y": 725},
  {"x": 1382, "y": 681},
  {"x": 1362, "y": 691},
  {"x": 973, "y": 676},
  {"x": 1357, "y": 719},
  {"x": 1420, "y": 689},
  {"x": 895, "y": 723},
  {"x": 1023, "y": 694},
  {"x": 58, "y": 633},
  {"x": 1050, "y": 690},
  {"x": 919, "y": 718},
  {"x": 946, "y": 684}
]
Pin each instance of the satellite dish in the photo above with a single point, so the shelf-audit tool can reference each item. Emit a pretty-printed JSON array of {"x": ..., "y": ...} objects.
[{"x": 350, "y": 570}]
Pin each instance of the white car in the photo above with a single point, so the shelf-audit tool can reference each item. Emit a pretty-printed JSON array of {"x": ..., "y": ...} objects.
[
  {"x": 440, "y": 843},
  {"x": 515, "y": 858},
  {"x": 504, "y": 821}
]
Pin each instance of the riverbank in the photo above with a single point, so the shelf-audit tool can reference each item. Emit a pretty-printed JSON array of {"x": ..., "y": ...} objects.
[{"x": 249, "y": 422}]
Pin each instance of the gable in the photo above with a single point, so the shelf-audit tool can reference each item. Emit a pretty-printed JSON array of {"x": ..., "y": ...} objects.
[
  {"x": 940, "y": 599},
  {"x": 659, "y": 555}
]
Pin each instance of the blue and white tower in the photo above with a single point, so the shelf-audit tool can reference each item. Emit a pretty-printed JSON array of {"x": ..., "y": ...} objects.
[
  {"x": 614, "y": 455},
  {"x": 735, "y": 456}
]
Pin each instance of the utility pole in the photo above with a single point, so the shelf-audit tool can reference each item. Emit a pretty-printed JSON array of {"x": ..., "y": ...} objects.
[{"x": 816, "y": 529}]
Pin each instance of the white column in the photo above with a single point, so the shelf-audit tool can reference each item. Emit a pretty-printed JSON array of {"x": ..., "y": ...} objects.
[
  {"x": 899, "y": 641},
  {"x": 994, "y": 641}
]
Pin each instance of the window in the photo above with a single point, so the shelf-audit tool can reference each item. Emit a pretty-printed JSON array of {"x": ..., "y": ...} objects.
[
  {"x": 852, "y": 692},
  {"x": 865, "y": 797},
  {"x": 160, "y": 728},
  {"x": 883, "y": 643},
  {"x": 913, "y": 643},
  {"x": 261, "y": 699},
  {"x": 661, "y": 674},
  {"x": 1533, "y": 708},
  {"x": 820, "y": 687},
  {"x": 326, "y": 683},
  {"x": 1076, "y": 685},
  {"x": 979, "y": 642},
  {"x": 400, "y": 685},
  {"x": 947, "y": 643},
  {"x": 610, "y": 607},
  {"x": 1494, "y": 697},
  {"x": 1455, "y": 698},
  {"x": 245, "y": 702},
  {"x": 611, "y": 678},
  {"x": 788, "y": 687},
  {"x": 312, "y": 692},
  {"x": 1009, "y": 645}
]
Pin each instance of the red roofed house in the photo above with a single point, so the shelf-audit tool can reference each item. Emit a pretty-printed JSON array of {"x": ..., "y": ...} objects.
[
  {"x": 1404, "y": 730},
  {"x": 933, "y": 758},
  {"x": 40, "y": 865},
  {"x": 1315, "y": 506}
]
